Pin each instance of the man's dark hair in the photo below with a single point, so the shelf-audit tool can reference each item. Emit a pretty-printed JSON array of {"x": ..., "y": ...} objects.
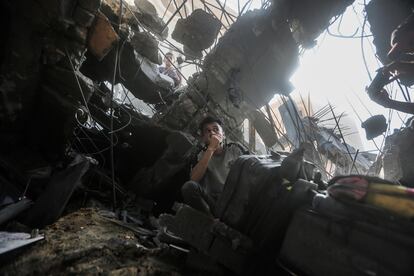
[
  {"x": 208, "y": 120},
  {"x": 169, "y": 54}
]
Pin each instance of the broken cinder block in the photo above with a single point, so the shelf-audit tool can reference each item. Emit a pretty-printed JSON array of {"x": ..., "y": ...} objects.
[
  {"x": 102, "y": 37},
  {"x": 198, "y": 31}
]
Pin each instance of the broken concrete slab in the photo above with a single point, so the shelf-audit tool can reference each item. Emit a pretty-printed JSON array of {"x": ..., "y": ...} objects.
[
  {"x": 146, "y": 45},
  {"x": 139, "y": 75},
  {"x": 301, "y": 15},
  {"x": 148, "y": 16},
  {"x": 102, "y": 37},
  {"x": 264, "y": 55},
  {"x": 51, "y": 204},
  {"x": 145, "y": 82},
  {"x": 197, "y": 32}
]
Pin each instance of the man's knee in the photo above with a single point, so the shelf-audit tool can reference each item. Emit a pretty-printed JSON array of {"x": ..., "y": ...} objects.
[{"x": 190, "y": 188}]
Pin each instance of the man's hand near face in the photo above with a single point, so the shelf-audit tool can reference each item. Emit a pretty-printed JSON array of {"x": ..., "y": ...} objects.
[
  {"x": 212, "y": 135},
  {"x": 214, "y": 141}
]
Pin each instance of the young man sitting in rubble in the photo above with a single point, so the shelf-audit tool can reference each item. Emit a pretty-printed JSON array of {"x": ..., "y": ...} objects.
[{"x": 209, "y": 174}]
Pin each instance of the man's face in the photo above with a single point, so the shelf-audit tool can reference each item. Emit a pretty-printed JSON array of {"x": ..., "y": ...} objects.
[{"x": 211, "y": 129}]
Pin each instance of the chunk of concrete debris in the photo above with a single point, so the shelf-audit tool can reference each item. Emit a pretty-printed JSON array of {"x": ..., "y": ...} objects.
[
  {"x": 139, "y": 75},
  {"x": 146, "y": 44},
  {"x": 146, "y": 7},
  {"x": 61, "y": 186},
  {"x": 374, "y": 126},
  {"x": 264, "y": 55},
  {"x": 102, "y": 37},
  {"x": 198, "y": 31},
  {"x": 148, "y": 16},
  {"x": 212, "y": 237},
  {"x": 147, "y": 83},
  {"x": 305, "y": 24}
]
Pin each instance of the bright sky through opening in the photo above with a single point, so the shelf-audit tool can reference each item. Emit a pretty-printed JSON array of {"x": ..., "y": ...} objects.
[{"x": 334, "y": 71}]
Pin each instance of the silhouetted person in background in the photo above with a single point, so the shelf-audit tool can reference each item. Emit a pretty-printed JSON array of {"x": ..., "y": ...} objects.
[{"x": 169, "y": 70}]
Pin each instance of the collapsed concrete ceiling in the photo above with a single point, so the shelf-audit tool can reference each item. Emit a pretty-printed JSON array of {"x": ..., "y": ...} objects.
[{"x": 61, "y": 60}]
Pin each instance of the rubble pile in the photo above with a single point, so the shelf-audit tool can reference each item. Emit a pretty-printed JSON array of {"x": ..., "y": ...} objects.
[{"x": 89, "y": 242}]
